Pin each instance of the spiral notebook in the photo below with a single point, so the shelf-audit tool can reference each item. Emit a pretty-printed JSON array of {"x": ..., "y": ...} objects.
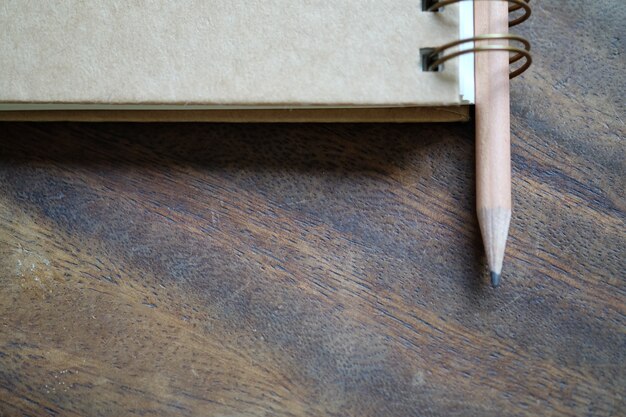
[{"x": 233, "y": 60}]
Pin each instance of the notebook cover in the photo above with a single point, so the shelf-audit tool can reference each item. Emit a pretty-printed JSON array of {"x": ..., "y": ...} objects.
[
  {"x": 356, "y": 115},
  {"x": 290, "y": 53}
]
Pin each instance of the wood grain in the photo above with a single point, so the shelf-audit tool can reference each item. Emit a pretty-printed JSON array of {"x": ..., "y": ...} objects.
[{"x": 324, "y": 270}]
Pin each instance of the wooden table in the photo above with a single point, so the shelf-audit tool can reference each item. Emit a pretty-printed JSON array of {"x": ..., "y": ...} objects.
[{"x": 324, "y": 270}]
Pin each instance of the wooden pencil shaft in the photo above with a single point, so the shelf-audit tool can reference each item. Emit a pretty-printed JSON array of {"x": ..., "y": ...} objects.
[{"x": 493, "y": 155}]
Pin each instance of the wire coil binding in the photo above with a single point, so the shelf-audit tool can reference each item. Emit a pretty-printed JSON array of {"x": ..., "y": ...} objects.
[{"x": 435, "y": 57}]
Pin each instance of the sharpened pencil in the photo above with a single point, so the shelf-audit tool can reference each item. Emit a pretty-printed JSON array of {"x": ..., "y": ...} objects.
[{"x": 493, "y": 149}]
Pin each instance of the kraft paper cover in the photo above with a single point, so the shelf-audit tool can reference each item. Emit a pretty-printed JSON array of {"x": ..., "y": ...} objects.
[{"x": 224, "y": 52}]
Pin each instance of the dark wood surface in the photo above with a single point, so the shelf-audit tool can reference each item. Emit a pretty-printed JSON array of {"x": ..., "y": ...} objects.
[{"x": 324, "y": 270}]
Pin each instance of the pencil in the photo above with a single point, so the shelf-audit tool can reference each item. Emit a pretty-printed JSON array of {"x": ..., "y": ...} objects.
[{"x": 493, "y": 151}]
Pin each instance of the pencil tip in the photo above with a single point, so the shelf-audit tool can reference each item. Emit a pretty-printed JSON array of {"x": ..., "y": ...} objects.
[{"x": 495, "y": 279}]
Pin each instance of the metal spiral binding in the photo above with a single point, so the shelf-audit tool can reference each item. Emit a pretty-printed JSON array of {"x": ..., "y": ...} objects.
[{"x": 433, "y": 58}]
